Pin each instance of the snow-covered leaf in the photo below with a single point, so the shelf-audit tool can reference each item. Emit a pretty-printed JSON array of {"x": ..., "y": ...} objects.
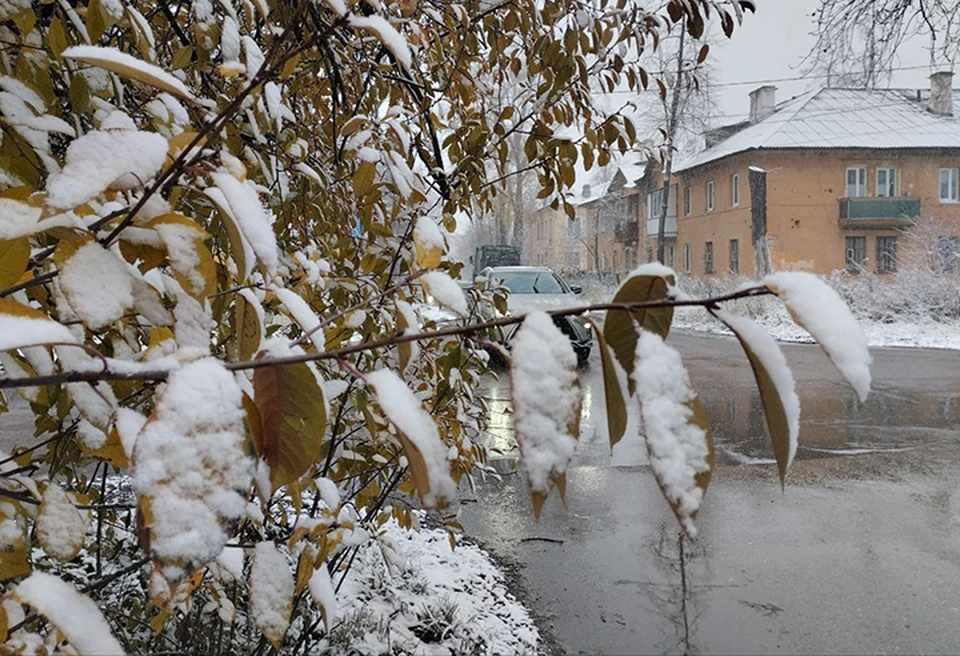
[
  {"x": 445, "y": 291},
  {"x": 323, "y": 594},
  {"x": 407, "y": 323},
  {"x": 14, "y": 258},
  {"x": 419, "y": 437},
  {"x": 293, "y": 419},
  {"x": 271, "y": 592},
  {"x": 74, "y": 614},
  {"x": 130, "y": 67},
  {"x": 305, "y": 317},
  {"x": 190, "y": 259},
  {"x": 677, "y": 432},
  {"x": 95, "y": 282},
  {"x": 816, "y": 307},
  {"x": 21, "y": 326},
  {"x": 191, "y": 469},
  {"x": 546, "y": 403},
  {"x": 244, "y": 204},
  {"x": 60, "y": 527},
  {"x": 775, "y": 382},
  {"x": 616, "y": 406},
  {"x": 13, "y": 546},
  {"x": 243, "y": 255},
  {"x": 650, "y": 282},
  {"x": 388, "y": 35},
  {"x": 116, "y": 158},
  {"x": 428, "y": 241}
]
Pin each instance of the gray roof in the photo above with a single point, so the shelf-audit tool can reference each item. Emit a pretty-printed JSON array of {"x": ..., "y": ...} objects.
[{"x": 842, "y": 118}]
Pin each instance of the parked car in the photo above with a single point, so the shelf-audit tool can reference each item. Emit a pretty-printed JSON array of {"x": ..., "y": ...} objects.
[{"x": 539, "y": 288}]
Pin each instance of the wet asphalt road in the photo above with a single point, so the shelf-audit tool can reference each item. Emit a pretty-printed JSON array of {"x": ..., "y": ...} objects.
[{"x": 861, "y": 554}]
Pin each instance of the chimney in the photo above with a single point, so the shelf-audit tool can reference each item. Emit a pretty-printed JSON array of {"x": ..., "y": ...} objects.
[
  {"x": 941, "y": 93},
  {"x": 763, "y": 102}
]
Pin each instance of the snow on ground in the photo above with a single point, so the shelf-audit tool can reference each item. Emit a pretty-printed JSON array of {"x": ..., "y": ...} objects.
[{"x": 430, "y": 599}]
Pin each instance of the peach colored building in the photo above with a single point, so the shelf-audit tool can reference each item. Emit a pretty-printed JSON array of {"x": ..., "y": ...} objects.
[{"x": 847, "y": 171}]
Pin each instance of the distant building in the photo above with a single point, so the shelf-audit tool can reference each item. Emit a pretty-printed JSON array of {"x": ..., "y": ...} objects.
[{"x": 846, "y": 171}]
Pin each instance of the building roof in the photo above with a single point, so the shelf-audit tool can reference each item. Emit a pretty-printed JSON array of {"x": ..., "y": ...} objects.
[{"x": 841, "y": 118}]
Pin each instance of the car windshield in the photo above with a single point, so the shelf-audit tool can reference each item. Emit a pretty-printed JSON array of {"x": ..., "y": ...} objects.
[{"x": 531, "y": 282}]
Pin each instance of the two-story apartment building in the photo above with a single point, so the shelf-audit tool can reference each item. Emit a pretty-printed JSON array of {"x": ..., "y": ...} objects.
[{"x": 847, "y": 170}]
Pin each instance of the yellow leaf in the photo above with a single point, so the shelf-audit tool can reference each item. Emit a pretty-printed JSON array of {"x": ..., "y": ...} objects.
[
  {"x": 79, "y": 93},
  {"x": 364, "y": 177},
  {"x": 776, "y": 386},
  {"x": 14, "y": 258},
  {"x": 181, "y": 57},
  {"x": 41, "y": 330},
  {"x": 13, "y": 551},
  {"x": 293, "y": 420},
  {"x": 304, "y": 568},
  {"x": 57, "y": 37},
  {"x": 112, "y": 451},
  {"x": 96, "y": 20},
  {"x": 618, "y": 327},
  {"x": 242, "y": 255},
  {"x": 130, "y": 67},
  {"x": 247, "y": 327},
  {"x": 612, "y": 392}
]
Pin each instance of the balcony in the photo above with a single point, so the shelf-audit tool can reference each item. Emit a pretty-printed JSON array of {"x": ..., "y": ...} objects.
[
  {"x": 669, "y": 230},
  {"x": 892, "y": 212}
]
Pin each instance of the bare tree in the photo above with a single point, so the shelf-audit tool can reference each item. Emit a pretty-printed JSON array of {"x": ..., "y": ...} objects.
[{"x": 858, "y": 40}]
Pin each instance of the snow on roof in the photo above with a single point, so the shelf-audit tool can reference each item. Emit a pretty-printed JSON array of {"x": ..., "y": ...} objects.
[{"x": 841, "y": 118}]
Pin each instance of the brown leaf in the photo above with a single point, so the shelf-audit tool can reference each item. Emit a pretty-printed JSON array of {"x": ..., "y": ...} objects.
[
  {"x": 14, "y": 258},
  {"x": 612, "y": 391}
]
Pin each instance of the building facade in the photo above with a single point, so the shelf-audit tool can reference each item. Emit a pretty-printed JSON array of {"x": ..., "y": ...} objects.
[{"x": 847, "y": 171}]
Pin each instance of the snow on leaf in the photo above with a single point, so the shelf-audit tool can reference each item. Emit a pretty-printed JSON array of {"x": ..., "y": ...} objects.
[
  {"x": 386, "y": 33},
  {"x": 328, "y": 492},
  {"x": 13, "y": 545},
  {"x": 190, "y": 259},
  {"x": 305, "y": 317},
  {"x": 130, "y": 67},
  {"x": 419, "y": 437},
  {"x": 74, "y": 614},
  {"x": 816, "y": 307},
  {"x": 429, "y": 243},
  {"x": 649, "y": 282},
  {"x": 677, "y": 433},
  {"x": 191, "y": 469},
  {"x": 244, "y": 204},
  {"x": 60, "y": 527},
  {"x": 97, "y": 403},
  {"x": 21, "y": 326},
  {"x": 546, "y": 403},
  {"x": 323, "y": 594},
  {"x": 775, "y": 382},
  {"x": 293, "y": 416},
  {"x": 271, "y": 592},
  {"x": 96, "y": 283},
  {"x": 240, "y": 248},
  {"x": 445, "y": 291},
  {"x": 114, "y": 159}
]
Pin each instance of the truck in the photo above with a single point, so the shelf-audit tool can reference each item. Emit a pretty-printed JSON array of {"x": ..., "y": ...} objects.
[{"x": 491, "y": 255}]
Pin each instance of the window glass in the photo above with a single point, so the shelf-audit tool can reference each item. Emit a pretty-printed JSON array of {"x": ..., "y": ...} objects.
[
  {"x": 735, "y": 189},
  {"x": 886, "y": 182},
  {"x": 856, "y": 253},
  {"x": 948, "y": 251},
  {"x": 948, "y": 185},
  {"x": 734, "y": 256},
  {"x": 886, "y": 253},
  {"x": 708, "y": 257},
  {"x": 856, "y": 183},
  {"x": 531, "y": 282}
]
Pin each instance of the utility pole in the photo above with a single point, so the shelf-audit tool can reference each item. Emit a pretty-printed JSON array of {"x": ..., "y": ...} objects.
[{"x": 668, "y": 164}]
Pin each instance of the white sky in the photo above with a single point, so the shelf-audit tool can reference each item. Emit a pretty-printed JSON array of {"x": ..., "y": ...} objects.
[{"x": 771, "y": 44}]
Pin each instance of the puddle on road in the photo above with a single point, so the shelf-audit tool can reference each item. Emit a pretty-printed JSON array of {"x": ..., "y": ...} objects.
[{"x": 833, "y": 422}]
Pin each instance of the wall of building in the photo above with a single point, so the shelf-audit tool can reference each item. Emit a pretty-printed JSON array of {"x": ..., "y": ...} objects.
[{"x": 803, "y": 193}]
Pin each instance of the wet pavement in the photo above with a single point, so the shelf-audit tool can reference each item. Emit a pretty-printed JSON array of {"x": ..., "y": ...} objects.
[{"x": 860, "y": 554}]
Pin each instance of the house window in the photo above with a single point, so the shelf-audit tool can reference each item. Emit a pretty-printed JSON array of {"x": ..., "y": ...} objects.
[
  {"x": 856, "y": 183},
  {"x": 671, "y": 252},
  {"x": 948, "y": 185},
  {"x": 886, "y": 253},
  {"x": 686, "y": 201},
  {"x": 710, "y": 196},
  {"x": 686, "y": 258},
  {"x": 856, "y": 253},
  {"x": 734, "y": 256},
  {"x": 574, "y": 228},
  {"x": 708, "y": 257},
  {"x": 735, "y": 189},
  {"x": 948, "y": 250},
  {"x": 886, "y": 182}
]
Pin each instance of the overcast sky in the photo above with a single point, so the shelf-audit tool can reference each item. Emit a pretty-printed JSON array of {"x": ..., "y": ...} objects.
[{"x": 771, "y": 44}]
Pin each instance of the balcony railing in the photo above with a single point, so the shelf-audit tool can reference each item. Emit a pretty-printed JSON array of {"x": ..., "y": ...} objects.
[
  {"x": 670, "y": 228},
  {"x": 883, "y": 212}
]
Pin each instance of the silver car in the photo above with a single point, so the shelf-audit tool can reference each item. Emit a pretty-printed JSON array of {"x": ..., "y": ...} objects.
[{"x": 539, "y": 288}]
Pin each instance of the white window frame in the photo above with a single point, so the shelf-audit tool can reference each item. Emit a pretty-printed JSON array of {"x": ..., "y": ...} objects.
[
  {"x": 893, "y": 188},
  {"x": 861, "y": 184},
  {"x": 735, "y": 190},
  {"x": 686, "y": 258},
  {"x": 687, "y": 205},
  {"x": 710, "y": 196},
  {"x": 952, "y": 183}
]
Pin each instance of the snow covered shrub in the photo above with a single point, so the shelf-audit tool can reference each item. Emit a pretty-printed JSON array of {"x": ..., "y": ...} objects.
[{"x": 218, "y": 222}]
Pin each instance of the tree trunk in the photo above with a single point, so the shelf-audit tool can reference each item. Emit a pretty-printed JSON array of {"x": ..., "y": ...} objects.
[
  {"x": 758, "y": 221},
  {"x": 668, "y": 164}
]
